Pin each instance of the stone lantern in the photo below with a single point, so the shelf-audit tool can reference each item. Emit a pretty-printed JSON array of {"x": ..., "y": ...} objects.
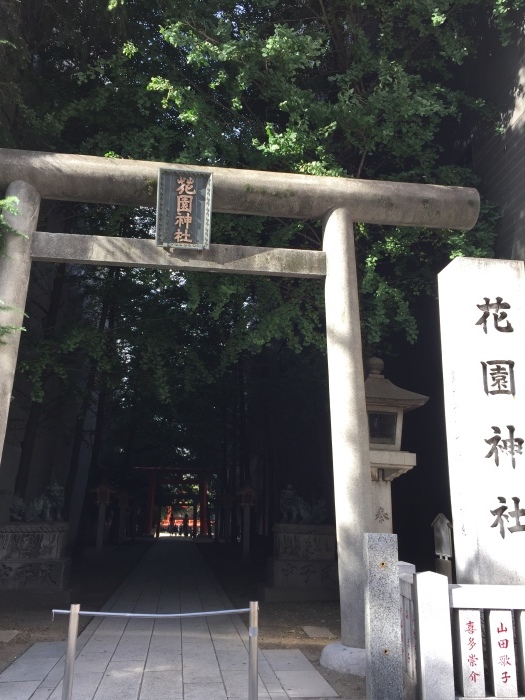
[{"x": 386, "y": 404}]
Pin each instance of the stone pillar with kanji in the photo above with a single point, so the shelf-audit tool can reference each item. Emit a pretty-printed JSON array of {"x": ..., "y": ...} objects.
[{"x": 482, "y": 312}]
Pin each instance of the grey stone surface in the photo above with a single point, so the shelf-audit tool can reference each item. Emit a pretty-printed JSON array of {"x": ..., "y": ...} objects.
[
  {"x": 384, "y": 664},
  {"x": 297, "y": 676},
  {"x": 469, "y": 649},
  {"x": 381, "y": 501},
  {"x": 287, "y": 660},
  {"x": 232, "y": 660},
  {"x": 7, "y": 635},
  {"x": 204, "y": 691},
  {"x": 274, "y": 594},
  {"x": 294, "y": 573},
  {"x": 318, "y": 632},
  {"x": 42, "y": 694},
  {"x": 435, "y": 670},
  {"x": 501, "y": 627},
  {"x": 135, "y": 252},
  {"x": 303, "y": 685},
  {"x": 34, "y": 575},
  {"x": 146, "y": 660},
  {"x": 28, "y": 670},
  {"x": 86, "y": 684},
  {"x": 404, "y": 567},
  {"x": 15, "y": 266},
  {"x": 349, "y": 421},
  {"x": 45, "y": 650},
  {"x": 134, "y": 183},
  {"x": 164, "y": 660},
  {"x": 304, "y": 541},
  {"x": 34, "y": 540},
  {"x": 160, "y": 684},
  {"x": 32, "y": 557},
  {"x": 444, "y": 567},
  {"x": 122, "y": 667},
  {"x": 131, "y": 652},
  {"x": 482, "y": 312},
  {"x": 57, "y": 673},
  {"x": 385, "y": 466},
  {"x": 304, "y": 566},
  {"x": 121, "y": 684},
  {"x": 442, "y": 535},
  {"x": 236, "y": 684},
  {"x": 343, "y": 659},
  {"x": 18, "y": 690}
]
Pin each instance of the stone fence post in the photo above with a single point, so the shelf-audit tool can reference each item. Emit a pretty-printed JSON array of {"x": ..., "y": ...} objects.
[
  {"x": 384, "y": 663},
  {"x": 435, "y": 671}
]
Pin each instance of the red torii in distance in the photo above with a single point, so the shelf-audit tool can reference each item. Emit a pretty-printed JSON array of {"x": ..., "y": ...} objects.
[{"x": 154, "y": 473}]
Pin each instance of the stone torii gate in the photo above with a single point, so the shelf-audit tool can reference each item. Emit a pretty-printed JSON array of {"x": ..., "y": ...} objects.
[{"x": 339, "y": 202}]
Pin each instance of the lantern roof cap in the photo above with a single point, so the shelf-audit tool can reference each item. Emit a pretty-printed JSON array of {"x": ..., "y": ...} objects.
[{"x": 380, "y": 391}]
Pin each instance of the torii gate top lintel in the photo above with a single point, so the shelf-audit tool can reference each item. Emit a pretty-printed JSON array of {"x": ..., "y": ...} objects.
[{"x": 134, "y": 183}]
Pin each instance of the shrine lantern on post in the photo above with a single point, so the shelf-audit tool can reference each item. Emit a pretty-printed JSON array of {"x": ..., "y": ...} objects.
[{"x": 386, "y": 405}]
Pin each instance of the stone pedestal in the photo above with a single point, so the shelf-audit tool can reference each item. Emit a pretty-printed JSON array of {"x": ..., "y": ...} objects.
[
  {"x": 32, "y": 558},
  {"x": 385, "y": 466},
  {"x": 384, "y": 660},
  {"x": 304, "y": 565}
]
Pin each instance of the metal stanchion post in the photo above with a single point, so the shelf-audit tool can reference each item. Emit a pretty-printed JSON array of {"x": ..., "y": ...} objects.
[
  {"x": 253, "y": 670},
  {"x": 69, "y": 669}
]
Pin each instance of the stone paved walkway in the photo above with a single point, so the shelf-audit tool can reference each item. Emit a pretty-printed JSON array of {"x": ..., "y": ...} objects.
[{"x": 143, "y": 659}]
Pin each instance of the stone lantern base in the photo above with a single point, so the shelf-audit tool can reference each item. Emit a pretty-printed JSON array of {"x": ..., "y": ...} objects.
[
  {"x": 304, "y": 566},
  {"x": 33, "y": 561}
]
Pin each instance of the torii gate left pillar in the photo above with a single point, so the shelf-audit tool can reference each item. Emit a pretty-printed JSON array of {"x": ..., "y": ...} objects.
[
  {"x": 15, "y": 268},
  {"x": 339, "y": 201}
]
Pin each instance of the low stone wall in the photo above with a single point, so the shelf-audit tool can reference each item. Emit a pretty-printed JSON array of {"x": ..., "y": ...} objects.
[
  {"x": 304, "y": 566},
  {"x": 291, "y": 573},
  {"x": 32, "y": 556}
]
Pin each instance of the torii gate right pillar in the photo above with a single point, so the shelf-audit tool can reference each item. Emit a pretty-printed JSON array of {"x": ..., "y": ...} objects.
[{"x": 349, "y": 423}]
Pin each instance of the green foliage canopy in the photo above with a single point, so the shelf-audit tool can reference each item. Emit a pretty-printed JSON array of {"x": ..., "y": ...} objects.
[
  {"x": 348, "y": 88},
  {"x": 351, "y": 88}
]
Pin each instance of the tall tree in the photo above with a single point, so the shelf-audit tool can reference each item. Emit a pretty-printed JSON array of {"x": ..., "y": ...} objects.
[
  {"x": 350, "y": 88},
  {"x": 344, "y": 87}
]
